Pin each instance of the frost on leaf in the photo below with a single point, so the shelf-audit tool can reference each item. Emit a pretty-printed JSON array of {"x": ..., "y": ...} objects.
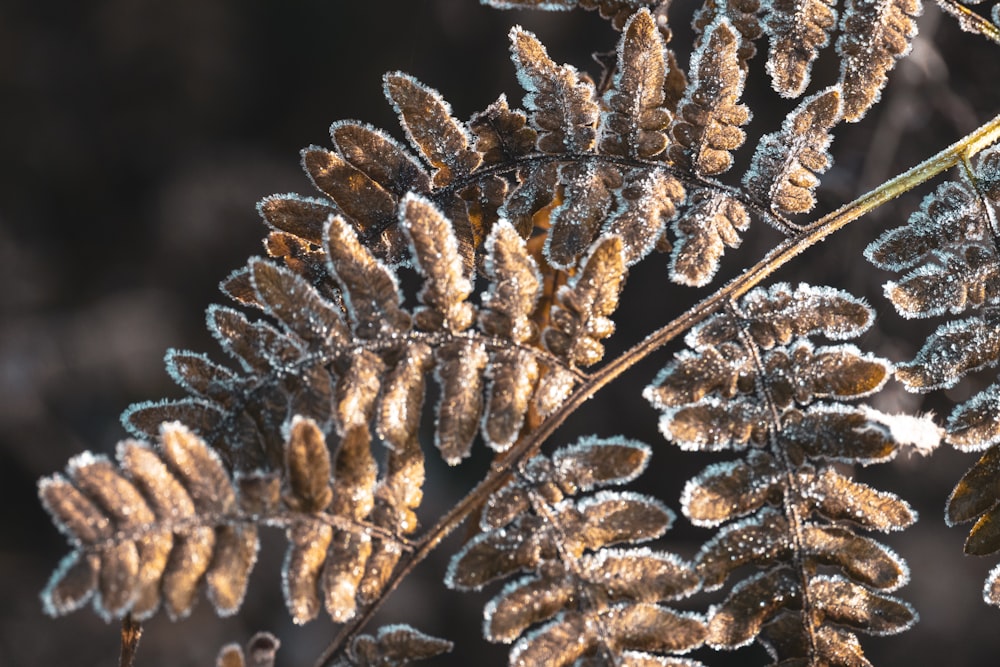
[
  {"x": 260, "y": 651},
  {"x": 561, "y": 105},
  {"x": 502, "y": 134},
  {"x": 436, "y": 254},
  {"x": 430, "y": 127},
  {"x": 874, "y": 35},
  {"x": 646, "y": 201},
  {"x": 742, "y": 14},
  {"x": 392, "y": 646},
  {"x": 797, "y": 30},
  {"x": 711, "y": 222},
  {"x": 636, "y": 122},
  {"x": 579, "y": 318},
  {"x": 706, "y": 127},
  {"x": 588, "y": 198},
  {"x": 785, "y": 167},
  {"x": 370, "y": 291},
  {"x": 775, "y": 315},
  {"x": 752, "y": 383},
  {"x": 950, "y": 242},
  {"x": 582, "y": 595},
  {"x": 149, "y": 531},
  {"x": 949, "y": 248}
]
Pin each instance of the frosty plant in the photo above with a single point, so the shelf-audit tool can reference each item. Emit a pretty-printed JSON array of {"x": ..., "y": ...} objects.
[{"x": 519, "y": 228}]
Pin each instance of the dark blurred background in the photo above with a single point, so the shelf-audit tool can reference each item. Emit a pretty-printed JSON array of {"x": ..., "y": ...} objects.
[{"x": 136, "y": 138}]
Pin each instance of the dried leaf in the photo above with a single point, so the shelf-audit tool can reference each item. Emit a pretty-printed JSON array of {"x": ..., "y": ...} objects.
[
  {"x": 646, "y": 202},
  {"x": 370, "y": 290},
  {"x": 580, "y": 317},
  {"x": 515, "y": 286},
  {"x": 874, "y": 35},
  {"x": 303, "y": 217},
  {"x": 707, "y": 125},
  {"x": 954, "y": 350},
  {"x": 436, "y": 254},
  {"x": 394, "y": 645},
  {"x": 307, "y": 462},
  {"x": 297, "y": 305},
  {"x": 459, "y": 373},
  {"x": 561, "y": 105},
  {"x": 380, "y": 157},
  {"x": 636, "y": 122},
  {"x": 588, "y": 198},
  {"x": 798, "y": 30},
  {"x": 712, "y": 222},
  {"x": 785, "y": 168},
  {"x": 430, "y": 127},
  {"x": 502, "y": 134}
]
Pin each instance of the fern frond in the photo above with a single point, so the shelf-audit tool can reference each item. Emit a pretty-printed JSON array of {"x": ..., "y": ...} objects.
[
  {"x": 950, "y": 247},
  {"x": 711, "y": 222},
  {"x": 392, "y": 646},
  {"x": 874, "y": 34},
  {"x": 594, "y": 601},
  {"x": 784, "y": 171},
  {"x": 742, "y": 14},
  {"x": 784, "y": 507},
  {"x": 260, "y": 651},
  {"x": 707, "y": 125},
  {"x": 636, "y": 121},
  {"x": 798, "y": 31},
  {"x": 149, "y": 530}
]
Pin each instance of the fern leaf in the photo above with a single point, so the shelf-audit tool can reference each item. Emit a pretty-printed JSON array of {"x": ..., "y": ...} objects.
[
  {"x": 459, "y": 371},
  {"x": 711, "y": 222},
  {"x": 369, "y": 206},
  {"x": 954, "y": 350},
  {"x": 392, "y": 646},
  {"x": 588, "y": 199},
  {"x": 260, "y": 651},
  {"x": 297, "y": 305},
  {"x": 502, "y": 134},
  {"x": 580, "y": 317},
  {"x": 377, "y": 155},
  {"x": 785, "y": 167},
  {"x": 635, "y": 123},
  {"x": 590, "y": 599},
  {"x": 798, "y": 31},
  {"x": 430, "y": 127},
  {"x": 784, "y": 508},
  {"x": 874, "y": 35},
  {"x": 707, "y": 125},
  {"x": 435, "y": 252},
  {"x": 307, "y": 462},
  {"x": 561, "y": 105},
  {"x": 515, "y": 286},
  {"x": 775, "y": 315},
  {"x": 742, "y": 14},
  {"x": 153, "y": 526},
  {"x": 646, "y": 201},
  {"x": 371, "y": 293},
  {"x": 302, "y": 217}
]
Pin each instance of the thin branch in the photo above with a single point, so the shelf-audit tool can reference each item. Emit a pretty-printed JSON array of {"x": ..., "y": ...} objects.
[
  {"x": 131, "y": 633},
  {"x": 810, "y": 235}
]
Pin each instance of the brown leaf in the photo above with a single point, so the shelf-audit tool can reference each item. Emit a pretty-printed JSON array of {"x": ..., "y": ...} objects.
[
  {"x": 307, "y": 464},
  {"x": 561, "y": 105},
  {"x": 430, "y": 127}
]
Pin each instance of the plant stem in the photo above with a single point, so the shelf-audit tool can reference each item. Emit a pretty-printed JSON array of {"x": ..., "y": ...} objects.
[{"x": 131, "y": 633}]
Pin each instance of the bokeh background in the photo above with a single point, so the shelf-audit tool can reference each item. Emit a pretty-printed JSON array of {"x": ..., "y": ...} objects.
[{"x": 136, "y": 137}]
